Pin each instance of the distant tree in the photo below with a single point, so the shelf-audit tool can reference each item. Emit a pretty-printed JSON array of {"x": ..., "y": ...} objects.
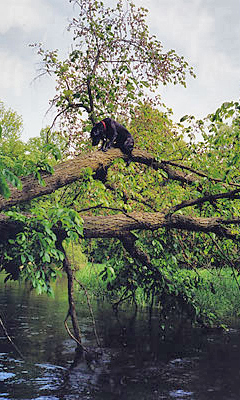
[
  {"x": 48, "y": 146},
  {"x": 11, "y": 123},
  {"x": 11, "y": 147},
  {"x": 11, "y": 129}
]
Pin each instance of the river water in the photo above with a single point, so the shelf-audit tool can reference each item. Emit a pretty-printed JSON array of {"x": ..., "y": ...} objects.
[{"x": 136, "y": 362}]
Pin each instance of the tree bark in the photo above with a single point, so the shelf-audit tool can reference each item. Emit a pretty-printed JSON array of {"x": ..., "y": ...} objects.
[{"x": 119, "y": 224}]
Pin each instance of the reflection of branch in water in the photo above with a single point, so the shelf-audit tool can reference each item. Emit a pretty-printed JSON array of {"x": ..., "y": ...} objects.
[
  {"x": 9, "y": 339},
  {"x": 123, "y": 298}
]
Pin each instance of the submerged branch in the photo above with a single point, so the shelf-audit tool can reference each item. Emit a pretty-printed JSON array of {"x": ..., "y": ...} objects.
[
  {"x": 72, "y": 309},
  {"x": 90, "y": 310},
  {"x": 9, "y": 338}
]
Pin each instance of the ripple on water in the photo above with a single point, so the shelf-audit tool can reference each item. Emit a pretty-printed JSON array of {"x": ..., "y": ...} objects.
[
  {"x": 180, "y": 394},
  {"x": 45, "y": 398},
  {"x": 6, "y": 375}
]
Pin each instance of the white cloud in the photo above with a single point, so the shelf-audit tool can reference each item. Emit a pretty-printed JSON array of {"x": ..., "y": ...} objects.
[
  {"x": 14, "y": 73},
  {"x": 24, "y": 14},
  {"x": 192, "y": 27},
  {"x": 23, "y": 22}
]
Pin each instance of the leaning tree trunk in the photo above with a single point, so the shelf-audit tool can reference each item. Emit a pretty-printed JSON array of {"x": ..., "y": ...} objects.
[{"x": 70, "y": 171}]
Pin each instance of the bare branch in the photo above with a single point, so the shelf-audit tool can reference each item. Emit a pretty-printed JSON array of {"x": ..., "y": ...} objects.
[
  {"x": 234, "y": 194},
  {"x": 199, "y": 173}
]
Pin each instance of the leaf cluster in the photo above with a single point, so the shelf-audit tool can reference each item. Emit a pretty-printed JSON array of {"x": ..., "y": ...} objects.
[{"x": 34, "y": 256}]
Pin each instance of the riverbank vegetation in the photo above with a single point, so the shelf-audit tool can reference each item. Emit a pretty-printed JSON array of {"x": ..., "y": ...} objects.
[
  {"x": 217, "y": 298},
  {"x": 175, "y": 208}
]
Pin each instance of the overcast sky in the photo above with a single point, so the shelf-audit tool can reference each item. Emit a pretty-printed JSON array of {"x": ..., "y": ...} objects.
[{"x": 205, "y": 32}]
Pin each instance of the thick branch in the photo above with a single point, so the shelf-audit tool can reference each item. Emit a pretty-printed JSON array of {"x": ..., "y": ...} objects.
[
  {"x": 143, "y": 157},
  {"x": 120, "y": 224},
  {"x": 116, "y": 225}
]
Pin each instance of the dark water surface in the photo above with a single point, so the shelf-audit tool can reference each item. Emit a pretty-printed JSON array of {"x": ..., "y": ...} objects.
[{"x": 135, "y": 364}]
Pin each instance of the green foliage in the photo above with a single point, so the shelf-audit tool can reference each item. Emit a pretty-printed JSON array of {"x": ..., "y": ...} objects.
[
  {"x": 10, "y": 148},
  {"x": 218, "y": 297},
  {"x": 196, "y": 278},
  {"x": 164, "y": 283},
  {"x": 154, "y": 130},
  {"x": 34, "y": 255},
  {"x": 50, "y": 146},
  {"x": 6, "y": 177},
  {"x": 215, "y": 292},
  {"x": 11, "y": 126},
  {"x": 18, "y": 158},
  {"x": 219, "y": 142}
]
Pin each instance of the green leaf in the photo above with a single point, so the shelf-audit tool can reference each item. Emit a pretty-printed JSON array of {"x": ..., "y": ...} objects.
[
  {"x": 46, "y": 257},
  {"x": 23, "y": 258},
  {"x": 184, "y": 118}
]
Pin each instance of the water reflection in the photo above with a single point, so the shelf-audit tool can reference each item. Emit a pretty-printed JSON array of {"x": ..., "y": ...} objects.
[{"x": 135, "y": 363}]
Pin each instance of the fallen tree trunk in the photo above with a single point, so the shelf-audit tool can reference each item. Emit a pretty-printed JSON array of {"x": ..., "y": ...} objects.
[
  {"x": 118, "y": 224},
  {"x": 69, "y": 171}
]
